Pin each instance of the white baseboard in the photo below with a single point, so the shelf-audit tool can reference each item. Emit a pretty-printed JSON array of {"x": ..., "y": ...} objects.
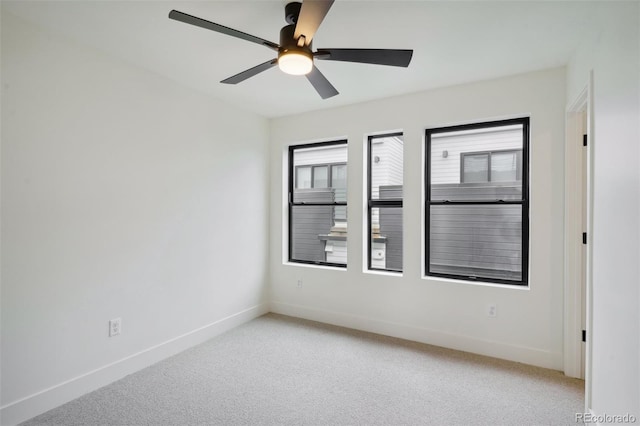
[
  {"x": 522, "y": 354},
  {"x": 40, "y": 402}
]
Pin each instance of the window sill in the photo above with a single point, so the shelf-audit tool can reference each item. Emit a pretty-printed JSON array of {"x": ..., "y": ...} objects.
[
  {"x": 314, "y": 266},
  {"x": 477, "y": 283},
  {"x": 384, "y": 273}
]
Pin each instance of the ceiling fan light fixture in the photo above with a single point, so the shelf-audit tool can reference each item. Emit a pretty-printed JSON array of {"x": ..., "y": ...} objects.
[{"x": 295, "y": 62}]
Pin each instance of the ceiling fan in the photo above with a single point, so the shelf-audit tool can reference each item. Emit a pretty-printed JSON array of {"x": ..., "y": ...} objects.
[{"x": 295, "y": 54}]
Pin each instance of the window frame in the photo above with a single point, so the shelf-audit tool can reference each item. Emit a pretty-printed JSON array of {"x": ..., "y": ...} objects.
[
  {"x": 291, "y": 170},
  {"x": 378, "y": 203},
  {"x": 524, "y": 202}
]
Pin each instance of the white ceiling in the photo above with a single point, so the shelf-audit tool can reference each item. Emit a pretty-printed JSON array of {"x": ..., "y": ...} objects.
[{"x": 454, "y": 42}]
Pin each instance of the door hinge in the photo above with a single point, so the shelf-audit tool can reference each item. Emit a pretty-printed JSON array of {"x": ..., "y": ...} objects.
[
  {"x": 584, "y": 238},
  {"x": 584, "y": 140},
  {"x": 584, "y": 335}
]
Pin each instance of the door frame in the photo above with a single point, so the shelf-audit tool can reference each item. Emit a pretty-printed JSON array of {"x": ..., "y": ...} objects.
[{"x": 574, "y": 267}]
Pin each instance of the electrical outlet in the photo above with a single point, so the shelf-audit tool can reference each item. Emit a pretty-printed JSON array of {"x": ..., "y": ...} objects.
[
  {"x": 299, "y": 283},
  {"x": 115, "y": 327},
  {"x": 492, "y": 310}
]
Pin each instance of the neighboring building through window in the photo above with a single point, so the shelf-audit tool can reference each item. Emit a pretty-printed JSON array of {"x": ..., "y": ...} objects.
[
  {"x": 384, "y": 202},
  {"x": 321, "y": 176},
  {"x": 477, "y": 202},
  {"x": 318, "y": 203},
  {"x": 493, "y": 166}
]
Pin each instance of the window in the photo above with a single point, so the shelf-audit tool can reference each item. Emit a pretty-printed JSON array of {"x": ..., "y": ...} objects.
[
  {"x": 384, "y": 189},
  {"x": 318, "y": 203},
  {"x": 496, "y": 166},
  {"x": 318, "y": 176},
  {"x": 477, "y": 202}
]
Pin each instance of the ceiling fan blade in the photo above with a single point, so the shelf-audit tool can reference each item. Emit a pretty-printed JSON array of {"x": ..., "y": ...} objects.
[
  {"x": 250, "y": 72},
  {"x": 392, "y": 57},
  {"x": 312, "y": 14},
  {"x": 203, "y": 23},
  {"x": 321, "y": 84}
]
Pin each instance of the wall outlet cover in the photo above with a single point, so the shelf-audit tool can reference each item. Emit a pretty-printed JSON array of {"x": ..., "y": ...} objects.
[{"x": 115, "y": 327}]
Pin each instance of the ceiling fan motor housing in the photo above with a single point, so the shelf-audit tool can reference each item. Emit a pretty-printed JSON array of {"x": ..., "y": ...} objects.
[{"x": 288, "y": 43}]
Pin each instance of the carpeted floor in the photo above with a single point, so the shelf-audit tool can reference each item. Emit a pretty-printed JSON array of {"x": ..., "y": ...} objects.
[{"x": 277, "y": 370}]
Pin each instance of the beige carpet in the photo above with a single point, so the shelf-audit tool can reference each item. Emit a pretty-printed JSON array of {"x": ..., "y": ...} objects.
[{"x": 278, "y": 370}]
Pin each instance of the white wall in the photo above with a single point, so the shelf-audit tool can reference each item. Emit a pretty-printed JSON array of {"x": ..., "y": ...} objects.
[
  {"x": 528, "y": 327},
  {"x": 123, "y": 195},
  {"x": 614, "y": 57}
]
